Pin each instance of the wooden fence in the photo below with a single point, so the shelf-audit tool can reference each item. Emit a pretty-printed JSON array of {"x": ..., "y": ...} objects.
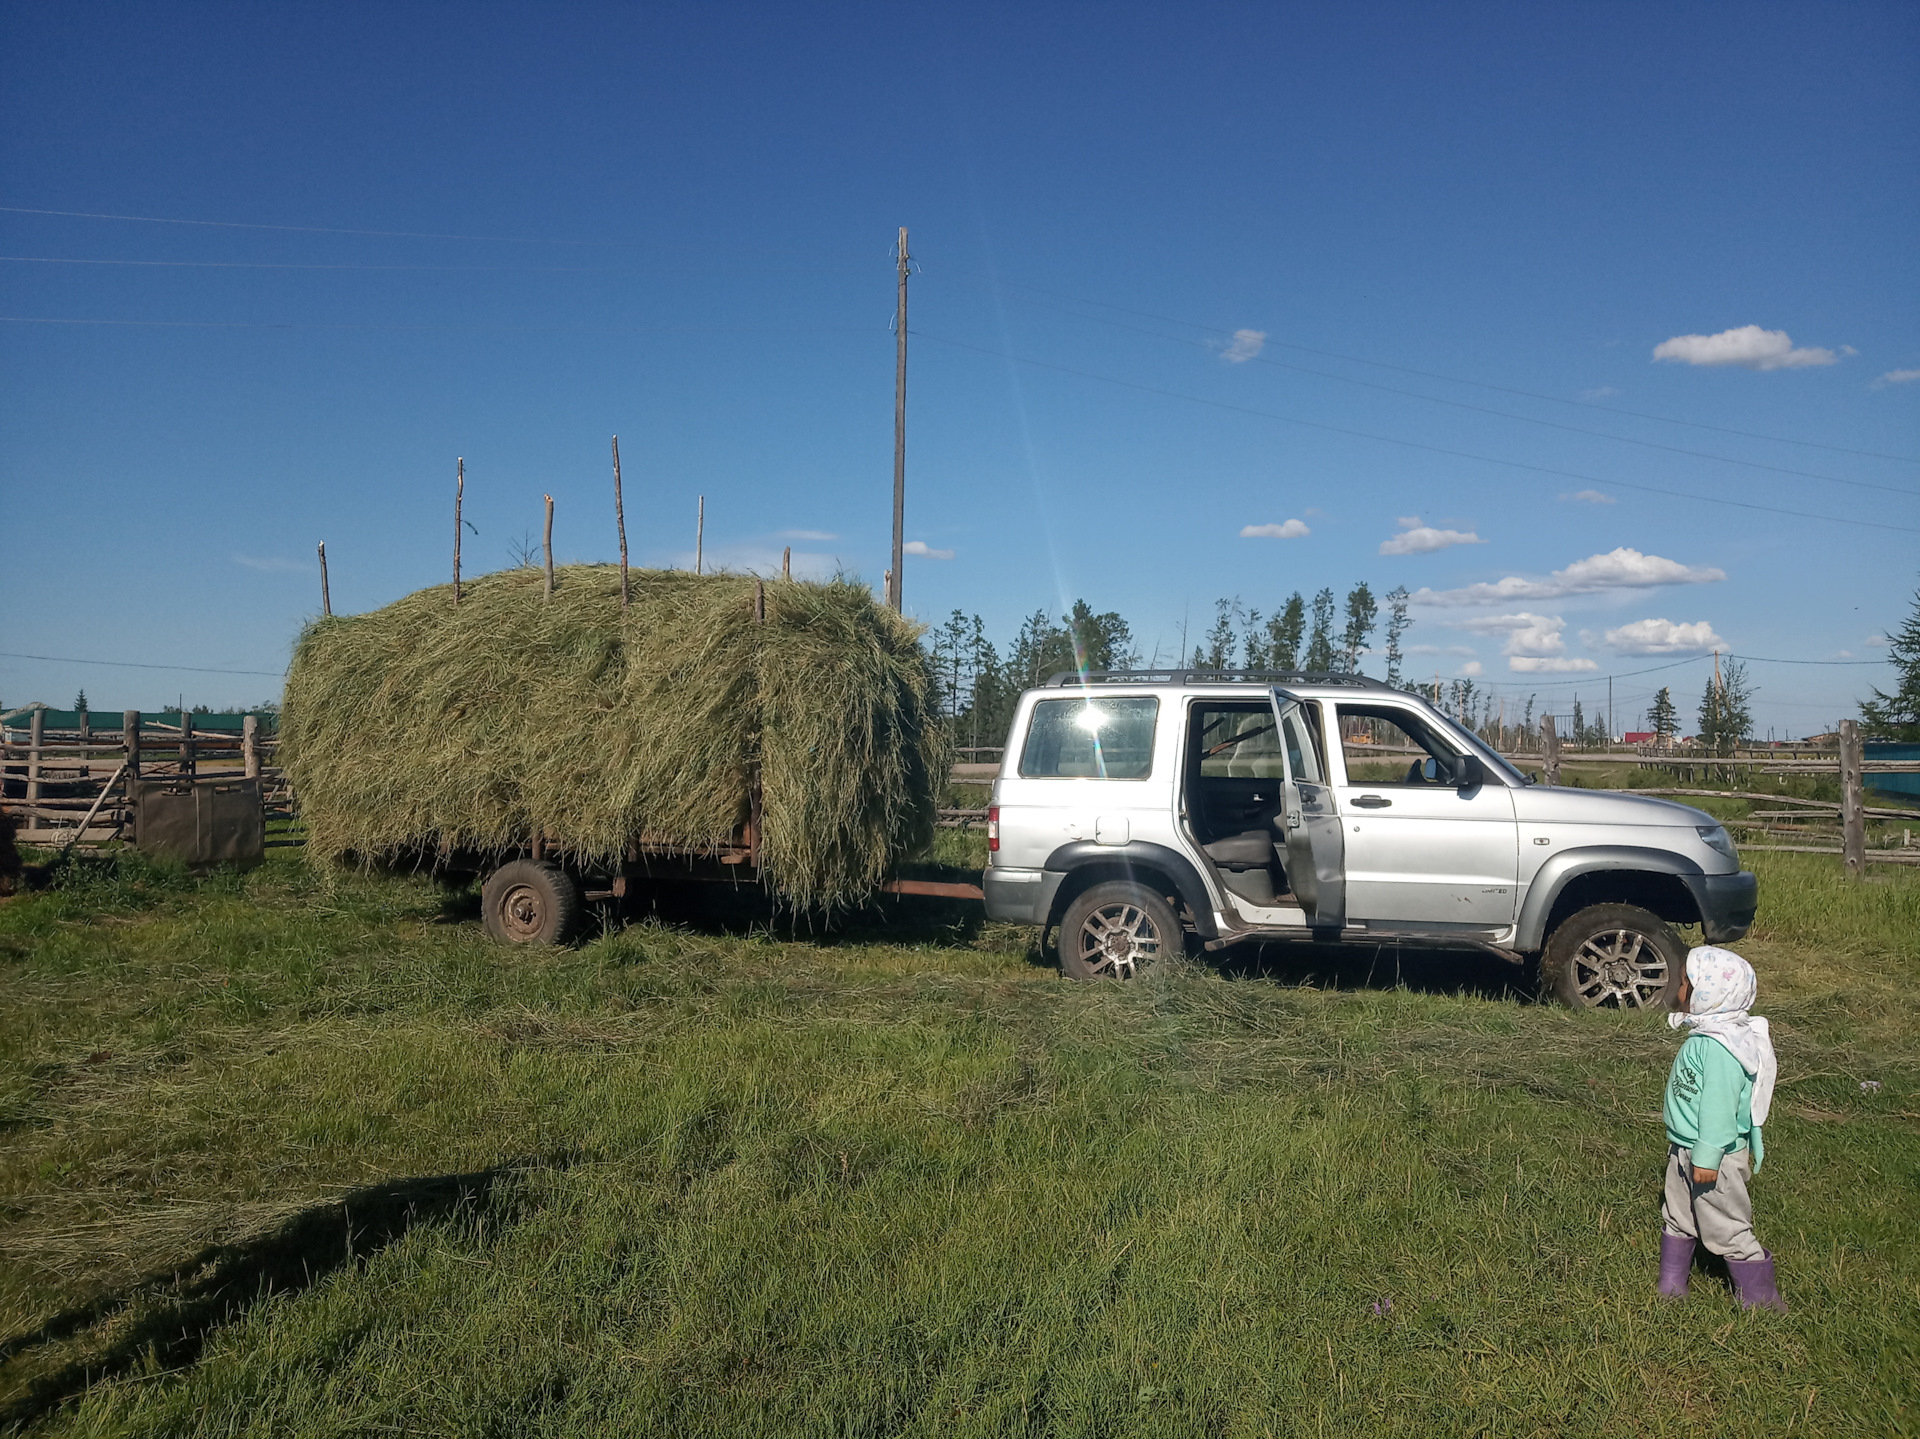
[{"x": 74, "y": 786}]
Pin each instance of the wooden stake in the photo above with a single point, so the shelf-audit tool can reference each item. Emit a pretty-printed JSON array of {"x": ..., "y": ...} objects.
[
  {"x": 1853, "y": 815},
  {"x": 326, "y": 598},
  {"x": 186, "y": 741},
  {"x": 786, "y": 563},
  {"x": 36, "y": 734},
  {"x": 250, "y": 745},
  {"x": 547, "y": 540},
  {"x": 699, "y": 534},
  {"x": 1549, "y": 751},
  {"x": 130, "y": 734},
  {"x": 899, "y": 431},
  {"x": 459, "y": 492},
  {"x": 759, "y": 601},
  {"x": 620, "y": 520}
]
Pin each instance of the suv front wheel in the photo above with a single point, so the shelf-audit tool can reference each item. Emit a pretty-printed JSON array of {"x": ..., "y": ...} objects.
[
  {"x": 1613, "y": 956},
  {"x": 1117, "y": 930}
]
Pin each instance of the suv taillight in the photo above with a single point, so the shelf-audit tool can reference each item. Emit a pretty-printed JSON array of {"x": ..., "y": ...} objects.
[{"x": 993, "y": 829}]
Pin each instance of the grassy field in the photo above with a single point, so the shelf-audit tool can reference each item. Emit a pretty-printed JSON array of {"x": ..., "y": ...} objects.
[{"x": 288, "y": 1155}]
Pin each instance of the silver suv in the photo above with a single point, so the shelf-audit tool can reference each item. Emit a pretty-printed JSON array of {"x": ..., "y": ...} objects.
[{"x": 1132, "y": 809}]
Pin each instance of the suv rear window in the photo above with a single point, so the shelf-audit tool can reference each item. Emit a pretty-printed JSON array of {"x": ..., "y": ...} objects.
[{"x": 1096, "y": 739}]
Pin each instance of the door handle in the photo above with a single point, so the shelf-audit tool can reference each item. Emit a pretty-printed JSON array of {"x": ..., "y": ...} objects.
[{"x": 1372, "y": 801}]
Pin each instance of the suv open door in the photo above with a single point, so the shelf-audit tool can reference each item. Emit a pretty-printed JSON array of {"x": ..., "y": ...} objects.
[{"x": 1316, "y": 849}]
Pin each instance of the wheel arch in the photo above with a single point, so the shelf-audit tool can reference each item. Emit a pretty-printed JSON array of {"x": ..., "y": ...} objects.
[
  {"x": 1161, "y": 869},
  {"x": 1659, "y": 881}
]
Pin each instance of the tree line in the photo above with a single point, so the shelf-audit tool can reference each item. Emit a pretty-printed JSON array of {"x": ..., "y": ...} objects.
[{"x": 980, "y": 684}]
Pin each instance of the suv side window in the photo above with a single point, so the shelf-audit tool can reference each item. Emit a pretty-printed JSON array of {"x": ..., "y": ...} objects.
[
  {"x": 1235, "y": 741},
  {"x": 1090, "y": 739},
  {"x": 1299, "y": 726},
  {"x": 1386, "y": 745}
]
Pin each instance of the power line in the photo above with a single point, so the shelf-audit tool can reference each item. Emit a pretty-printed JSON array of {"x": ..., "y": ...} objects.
[
  {"x": 1416, "y": 444},
  {"x": 303, "y": 229},
  {"x": 1485, "y": 410},
  {"x": 133, "y": 665},
  {"x": 457, "y": 329},
  {"x": 1448, "y": 379}
]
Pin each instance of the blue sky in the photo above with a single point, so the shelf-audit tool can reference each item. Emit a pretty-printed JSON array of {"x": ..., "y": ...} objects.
[{"x": 1394, "y": 276}]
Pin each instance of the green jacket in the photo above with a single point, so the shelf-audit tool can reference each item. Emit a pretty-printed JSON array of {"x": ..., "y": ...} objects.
[{"x": 1709, "y": 1105}]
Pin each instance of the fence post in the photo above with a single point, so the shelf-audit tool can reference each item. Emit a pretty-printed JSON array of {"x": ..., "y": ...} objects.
[
  {"x": 1549, "y": 751},
  {"x": 250, "y": 745},
  {"x": 130, "y": 735},
  {"x": 1853, "y": 815},
  {"x": 36, "y": 735},
  {"x": 186, "y": 743}
]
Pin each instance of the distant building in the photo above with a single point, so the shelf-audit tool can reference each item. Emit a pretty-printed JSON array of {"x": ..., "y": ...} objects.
[{"x": 1639, "y": 736}]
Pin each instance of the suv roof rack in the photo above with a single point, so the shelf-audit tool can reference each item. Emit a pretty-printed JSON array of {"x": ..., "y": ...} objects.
[{"x": 1213, "y": 677}]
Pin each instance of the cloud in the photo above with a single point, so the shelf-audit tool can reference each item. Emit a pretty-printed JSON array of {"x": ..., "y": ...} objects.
[
  {"x": 1876, "y": 641},
  {"x": 1472, "y": 667},
  {"x": 926, "y": 551},
  {"x": 1291, "y": 530},
  {"x": 1603, "y": 392},
  {"x": 1749, "y": 347},
  {"x": 804, "y": 535},
  {"x": 1441, "y": 650},
  {"x": 1620, "y": 569},
  {"x": 1522, "y": 664},
  {"x": 1663, "y": 637},
  {"x": 1896, "y": 377},
  {"x": 1246, "y": 344},
  {"x": 1527, "y": 633},
  {"x": 275, "y": 565},
  {"x": 1589, "y": 497},
  {"x": 1418, "y": 539}
]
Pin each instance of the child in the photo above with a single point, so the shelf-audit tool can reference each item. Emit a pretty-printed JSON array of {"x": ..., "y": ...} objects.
[{"x": 1717, "y": 1099}]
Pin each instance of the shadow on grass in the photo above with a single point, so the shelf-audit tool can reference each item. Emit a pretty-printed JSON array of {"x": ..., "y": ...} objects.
[
  {"x": 743, "y": 909},
  {"x": 1385, "y": 966},
  {"x": 163, "y": 1320}
]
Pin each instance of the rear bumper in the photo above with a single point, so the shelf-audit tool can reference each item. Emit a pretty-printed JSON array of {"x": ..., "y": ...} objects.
[
  {"x": 1727, "y": 904},
  {"x": 1021, "y": 896}
]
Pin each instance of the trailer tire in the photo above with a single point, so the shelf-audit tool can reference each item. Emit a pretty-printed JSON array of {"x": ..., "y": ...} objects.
[
  {"x": 528, "y": 902},
  {"x": 1613, "y": 956}
]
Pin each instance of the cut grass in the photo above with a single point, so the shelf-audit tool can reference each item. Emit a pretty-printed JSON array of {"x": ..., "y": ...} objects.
[{"x": 288, "y": 1154}]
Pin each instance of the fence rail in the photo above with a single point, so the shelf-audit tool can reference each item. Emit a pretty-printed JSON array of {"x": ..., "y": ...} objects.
[{"x": 57, "y": 783}]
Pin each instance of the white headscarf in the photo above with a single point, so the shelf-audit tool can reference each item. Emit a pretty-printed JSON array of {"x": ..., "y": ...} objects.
[{"x": 1723, "y": 987}]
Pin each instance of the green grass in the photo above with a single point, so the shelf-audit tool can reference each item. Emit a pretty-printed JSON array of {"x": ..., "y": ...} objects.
[{"x": 284, "y": 1155}]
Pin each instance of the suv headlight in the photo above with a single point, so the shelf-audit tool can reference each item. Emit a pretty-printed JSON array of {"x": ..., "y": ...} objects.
[{"x": 1716, "y": 837}]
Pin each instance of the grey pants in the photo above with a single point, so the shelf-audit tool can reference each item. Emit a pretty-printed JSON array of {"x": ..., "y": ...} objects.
[{"x": 1719, "y": 1215}]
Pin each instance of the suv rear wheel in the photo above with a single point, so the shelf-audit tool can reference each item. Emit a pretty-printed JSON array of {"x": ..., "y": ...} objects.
[
  {"x": 527, "y": 902},
  {"x": 1117, "y": 930},
  {"x": 1613, "y": 956}
]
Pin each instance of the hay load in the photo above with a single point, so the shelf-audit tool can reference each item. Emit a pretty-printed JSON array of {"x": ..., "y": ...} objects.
[{"x": 423, "y": 726}]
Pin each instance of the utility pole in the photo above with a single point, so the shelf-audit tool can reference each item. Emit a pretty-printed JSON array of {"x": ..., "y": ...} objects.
[
  {"x": 899, "y": 432},
  {"x": 699, "y": 534}
]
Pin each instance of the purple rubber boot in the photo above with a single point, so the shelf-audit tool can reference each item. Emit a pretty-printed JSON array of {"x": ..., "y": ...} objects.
[
  {"x": 1753, "y": 1283},
  {"x": 1676, "y": 1259}
]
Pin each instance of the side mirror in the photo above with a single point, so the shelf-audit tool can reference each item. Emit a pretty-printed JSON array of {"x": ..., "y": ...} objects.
[{"x": 1468, "y": 771}]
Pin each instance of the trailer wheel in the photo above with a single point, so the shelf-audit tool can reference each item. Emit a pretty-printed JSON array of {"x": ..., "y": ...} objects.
[
  {"x": 526, "y": 902},
  {"x": 1613, "y": 956},
  {"x": 1117, "y": 930}
]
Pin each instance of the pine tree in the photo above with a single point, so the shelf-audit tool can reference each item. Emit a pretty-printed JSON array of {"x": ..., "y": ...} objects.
[
  {"x": 1362, "y": 611},
  {"x": 1896, "y": 716},
  {"x": 1102, "y": 642},
  {"x": 1396, "y": 627},
  {"x": 1663, "y": 719},
  {"x": 80, "y": 703},
  {"x": 1284, "y": 633},
  {"x": 1726, "y": 710},
  {"x": 1579, "y": 735},
  {"x": 1319, "y": 657},
  {"x": 1219, "y": 650}
]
